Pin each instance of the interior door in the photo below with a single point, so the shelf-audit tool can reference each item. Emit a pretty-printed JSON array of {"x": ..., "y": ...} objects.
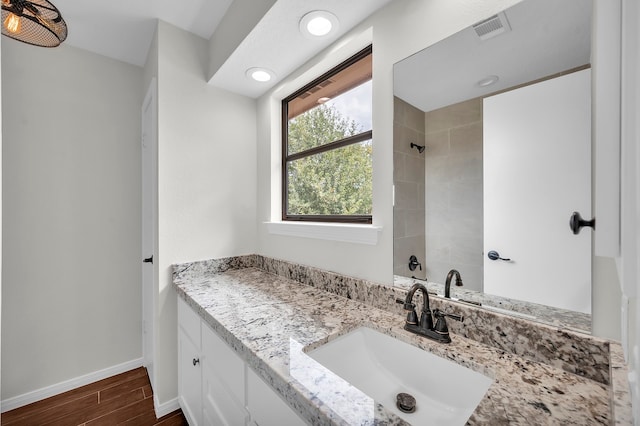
[
  {"x": 537, "y": 172},
  {"x": 148, "y": 228}
]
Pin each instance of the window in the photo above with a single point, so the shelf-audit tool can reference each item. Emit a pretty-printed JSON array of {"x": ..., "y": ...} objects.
[{"x": 327, "y": 149}]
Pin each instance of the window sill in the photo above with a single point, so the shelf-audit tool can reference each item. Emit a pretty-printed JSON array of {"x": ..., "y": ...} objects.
[{"x": 348, "y": 233}]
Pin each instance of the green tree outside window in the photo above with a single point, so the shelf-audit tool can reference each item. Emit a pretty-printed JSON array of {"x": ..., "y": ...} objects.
[{"x": 335, "y": 182}]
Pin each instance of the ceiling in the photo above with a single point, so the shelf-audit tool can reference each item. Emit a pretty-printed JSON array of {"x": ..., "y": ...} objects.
[
  {"x": 546, "y": 37},
  {"x": 124, "y": 29},
  {"x": 277, "y": 44}
]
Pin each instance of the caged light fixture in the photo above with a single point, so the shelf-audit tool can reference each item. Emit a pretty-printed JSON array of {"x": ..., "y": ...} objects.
[{"x": 35, "y": 22}]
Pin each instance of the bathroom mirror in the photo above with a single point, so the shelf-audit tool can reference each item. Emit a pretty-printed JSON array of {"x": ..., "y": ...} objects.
[{"x": 450, "y": 101}]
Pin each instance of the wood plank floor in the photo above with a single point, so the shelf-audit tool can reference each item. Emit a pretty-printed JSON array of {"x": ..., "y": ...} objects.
[{"x": 125, "y": 399}]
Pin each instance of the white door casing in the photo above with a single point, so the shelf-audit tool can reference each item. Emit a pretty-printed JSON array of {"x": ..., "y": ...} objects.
[{"x": 537, "y": 146}]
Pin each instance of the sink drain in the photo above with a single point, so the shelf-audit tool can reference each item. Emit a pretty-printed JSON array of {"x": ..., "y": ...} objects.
[{"x": 405, "y": 403}]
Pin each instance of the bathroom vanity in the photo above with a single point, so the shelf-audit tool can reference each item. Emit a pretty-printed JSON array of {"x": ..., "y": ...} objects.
[{"x": 249, "y": 325}]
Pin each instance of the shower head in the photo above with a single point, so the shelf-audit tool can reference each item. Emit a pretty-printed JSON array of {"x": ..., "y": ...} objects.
[{"x": 420, "y": 148}]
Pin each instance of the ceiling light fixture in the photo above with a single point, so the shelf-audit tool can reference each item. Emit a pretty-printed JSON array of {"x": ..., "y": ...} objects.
[
  {"x": 260, "y": 74},
  {"x": 35, "y": 22},
  {"x": 488, "y": 81},
  {"x": 318, "y": 23},
  {"x": 323, "y": 100}
]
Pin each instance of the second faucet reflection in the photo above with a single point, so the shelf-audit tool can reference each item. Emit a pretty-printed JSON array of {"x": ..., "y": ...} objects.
[{"x": 447, "y": 284}]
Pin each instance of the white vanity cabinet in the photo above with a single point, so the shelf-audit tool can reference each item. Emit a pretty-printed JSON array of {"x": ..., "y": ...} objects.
[
  {"x": 265, "y": 406},
  {"x": 189, "y": 364},
  {"x": 216, "y": 387},
  {"x": 223, "y": 382}
]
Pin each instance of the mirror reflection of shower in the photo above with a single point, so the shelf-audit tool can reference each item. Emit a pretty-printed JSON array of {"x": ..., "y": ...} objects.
[
  {"x": 448, "y": 118},
  {"x": 420, "y": 148},
  {"x": 413, "y": 263}
]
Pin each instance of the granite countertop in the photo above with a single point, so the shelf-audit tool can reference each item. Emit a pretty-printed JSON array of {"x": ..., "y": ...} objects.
[{"x": 271, "y": 321}]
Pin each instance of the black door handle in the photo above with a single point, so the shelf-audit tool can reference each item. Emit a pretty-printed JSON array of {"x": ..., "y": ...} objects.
[
  {"x": 494, "y": 255},
  {"x": 576, "y": 222},
  {"x": 148, "y": 259}
]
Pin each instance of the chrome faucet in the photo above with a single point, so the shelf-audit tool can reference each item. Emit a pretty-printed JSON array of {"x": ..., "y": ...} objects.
[
  {"x": 447, "y": 284},
  {"x": 425, "y": 327}
]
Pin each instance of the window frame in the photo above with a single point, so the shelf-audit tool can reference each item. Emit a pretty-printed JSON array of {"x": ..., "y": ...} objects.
[{"x": 286, "y": 158}]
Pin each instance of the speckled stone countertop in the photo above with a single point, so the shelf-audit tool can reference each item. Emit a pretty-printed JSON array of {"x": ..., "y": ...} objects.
[{"x": 271, "y": 321}]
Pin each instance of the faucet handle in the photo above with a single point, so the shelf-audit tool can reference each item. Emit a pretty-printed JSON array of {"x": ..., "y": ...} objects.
[
  {"x": 412, "y": 316},
  {"x": 413, "y": 263},
  {"x": 441, "y": 322},
  {"x": 408, "y": 306}
]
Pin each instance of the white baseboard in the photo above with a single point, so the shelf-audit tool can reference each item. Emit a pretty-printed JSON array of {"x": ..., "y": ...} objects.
[
  {"x": 40, "y": 394},
  {"x": 166, "y": 408}
]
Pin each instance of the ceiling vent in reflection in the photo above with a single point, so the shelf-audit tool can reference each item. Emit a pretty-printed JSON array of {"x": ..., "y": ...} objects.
[{"x": 492, "y": 27}]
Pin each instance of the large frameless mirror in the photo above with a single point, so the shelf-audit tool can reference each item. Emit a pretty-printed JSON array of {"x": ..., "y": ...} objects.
[{"x": 492, "y": 156}]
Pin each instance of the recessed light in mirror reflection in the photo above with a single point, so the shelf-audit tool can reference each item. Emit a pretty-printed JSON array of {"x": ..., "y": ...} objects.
[{"x": 488, "y": 81}]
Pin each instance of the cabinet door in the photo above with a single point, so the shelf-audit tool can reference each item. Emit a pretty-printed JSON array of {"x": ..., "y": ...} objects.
[
  {"x": 189, "y": 380},
  {"x": 265, "y": 405},
  {"x": 223, "y": 377},
  {"x": 189, "y": 322}
]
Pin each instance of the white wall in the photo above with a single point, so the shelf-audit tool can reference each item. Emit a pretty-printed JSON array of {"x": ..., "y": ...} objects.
[
  {"x": 605, "y": 298},
  {"x": 634, "y": 139},
  {"x": 0, "y": 220},
  {"x": 206, "y": 178},
  {"x": 72, "y": 293},
  {"x": 398, "y": 30},
  {"x": 71, "y": 187},
  {"x": 628, "y": 263}
]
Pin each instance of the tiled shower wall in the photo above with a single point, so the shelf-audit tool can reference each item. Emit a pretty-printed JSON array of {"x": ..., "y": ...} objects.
[
  {"x": 454, "y": 208},
  {"x": 409, "y": 179}
]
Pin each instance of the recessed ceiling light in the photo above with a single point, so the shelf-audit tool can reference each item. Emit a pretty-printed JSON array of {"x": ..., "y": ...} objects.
[
  {"x": 488, "y": 81},
  {"x": 318, "y": 23},
  {"x": 260, "y": 74},
  {"x": 323, "y": 99}
]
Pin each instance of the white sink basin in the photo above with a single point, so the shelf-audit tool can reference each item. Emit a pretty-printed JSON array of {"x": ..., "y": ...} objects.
[{"x": 381, "y": 367}]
